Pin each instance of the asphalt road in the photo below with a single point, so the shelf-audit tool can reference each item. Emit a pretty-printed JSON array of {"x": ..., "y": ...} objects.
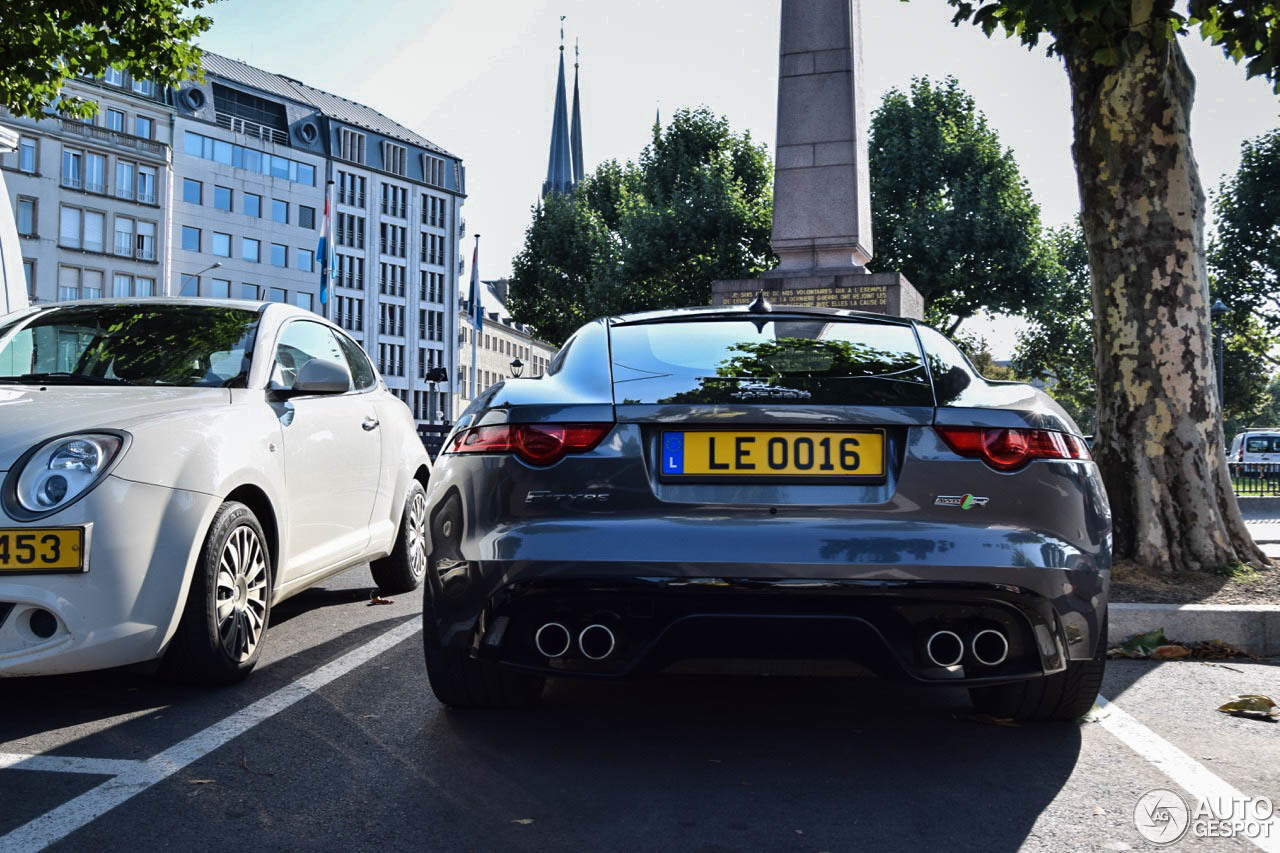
[{"x": 346, "y": 748}]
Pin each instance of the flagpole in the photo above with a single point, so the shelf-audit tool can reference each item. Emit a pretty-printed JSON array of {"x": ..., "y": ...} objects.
[{"x": 477, "y": 313}]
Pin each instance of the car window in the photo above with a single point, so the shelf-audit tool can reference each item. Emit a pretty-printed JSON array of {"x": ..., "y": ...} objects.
[
  {"x": 827, "y": 361},
  {"x": 362, "y": 375},
  {"x": 301, "y": 342},
  {"x": 953, "y": 374},
  {"x": 1262, "y": 444},
  {"x": 133, "y": 344}
]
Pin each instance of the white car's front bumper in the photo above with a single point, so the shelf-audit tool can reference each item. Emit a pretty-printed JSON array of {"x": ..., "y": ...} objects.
[{"x": 143, "y": 543}]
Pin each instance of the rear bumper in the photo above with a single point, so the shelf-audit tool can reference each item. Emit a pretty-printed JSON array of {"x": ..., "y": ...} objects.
[{"x": 659, "y": 619}]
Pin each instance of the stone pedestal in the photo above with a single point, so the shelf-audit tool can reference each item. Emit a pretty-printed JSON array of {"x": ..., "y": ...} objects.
[{"x": 877, "y": 293}]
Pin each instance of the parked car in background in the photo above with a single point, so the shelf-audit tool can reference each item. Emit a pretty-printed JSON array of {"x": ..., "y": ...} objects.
[
  {"x": 1255, "y": 452},
  {"x": 776, "y": 483},
  {"x": 172, "y": 469}
]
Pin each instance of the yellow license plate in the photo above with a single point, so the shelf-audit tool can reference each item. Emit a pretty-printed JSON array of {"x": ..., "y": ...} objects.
[
  {"x": 34, "y": 549},
  {"x": 787, "y": 454}
]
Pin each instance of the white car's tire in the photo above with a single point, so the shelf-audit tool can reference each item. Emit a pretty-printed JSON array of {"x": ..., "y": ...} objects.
[
  {"x": 404, "y": 568},
  {"x": 224, "y": 623}
]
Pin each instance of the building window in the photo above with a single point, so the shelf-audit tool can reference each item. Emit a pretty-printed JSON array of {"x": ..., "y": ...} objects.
[
  {"x": 146, "y": 241},
  {"x": 252, "y": 204},
  {"x": 144, "y": 286},
  {"x": 190, "y": 285},
  {"x": 72, "y": 168},
  {"x": 250, "y": 249},
  {"x": 69, "y": 227},
  {"x": 122, "y": 285},
  {"x": 26, "y": 216},
  {"x": 351, "y": 189},
  {"x": 124, "y": 179},
  {"x": 146, "y": 185},
  {"x": 306, "y": 216},
  {"x": 248, "y": 291},
  {"x": 115, "y": 120},
  {"x": 221, "y": 245},
  {"x": 95, "y": 173},
  {"x": 143, "y": 127},
  {"x": 190, "y": 238},
  {"x": 144, "y": 87},
  {"x": 220, "y": 288},
  {"x": 280, "y": 211},
  {"x": 75, "y": 283},
  {"x": 433, "y": 170},
  {"x": 29, "y": 271},
  {"x": 279, "y": 255},
  {"x": 306, "y": 259},
  {"x": 114, "y": 76},
  {"x": 27, "y": 160},
  {"x": 192, "y": 191},
  {"x": 222, "y": 198},
  {"x": 277, "y": 294},
  {"x": 351, "y": 145},
  {"x": 95, "y": 225},
  {"x": 393, "y": 157},
  {"x": 230, "y": 154},
  {"x": 124, "y": 237},
  {"x": 302, "y": 300}
]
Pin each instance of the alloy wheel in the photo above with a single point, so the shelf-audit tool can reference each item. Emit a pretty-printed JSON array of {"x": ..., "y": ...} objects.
[
  {"x": 417, "y": 542},
  {"x": 241, "y": 593}
]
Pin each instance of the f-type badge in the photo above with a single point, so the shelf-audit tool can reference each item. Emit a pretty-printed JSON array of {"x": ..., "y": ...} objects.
[{"x": 962, "y": 501}]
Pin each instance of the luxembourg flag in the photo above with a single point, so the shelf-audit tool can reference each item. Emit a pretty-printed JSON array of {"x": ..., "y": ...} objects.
[{"x": 324, "y": 250}]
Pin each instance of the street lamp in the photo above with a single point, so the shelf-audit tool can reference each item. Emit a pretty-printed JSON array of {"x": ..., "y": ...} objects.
[
  {"x": 434, "y": 375},
  {"x": 1217, "y": 312},
  {"x": 196, "y": 276},
  {"x": 517, "y": 367}
]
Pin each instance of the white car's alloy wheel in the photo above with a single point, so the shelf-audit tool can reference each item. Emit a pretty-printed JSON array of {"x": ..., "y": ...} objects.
[
  {"x": 241, "y": 593},
  {"x": 417, "y": 533}
]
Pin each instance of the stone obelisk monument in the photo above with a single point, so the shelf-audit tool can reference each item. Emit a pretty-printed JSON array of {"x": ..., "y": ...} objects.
[{"x": 821, "y": 196}]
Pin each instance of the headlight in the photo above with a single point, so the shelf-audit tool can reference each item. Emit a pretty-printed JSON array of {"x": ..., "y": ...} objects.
[{"x": 64, "y": 469}]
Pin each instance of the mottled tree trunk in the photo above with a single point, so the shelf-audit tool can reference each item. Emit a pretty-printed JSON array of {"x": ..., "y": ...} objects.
[{"x": 1159, "y": 439}]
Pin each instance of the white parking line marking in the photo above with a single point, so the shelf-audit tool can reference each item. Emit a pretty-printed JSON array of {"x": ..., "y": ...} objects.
[
  {"x": 67, "y": 764},
  {"x": 58, "y": 823},
  {"x": 1187, "y": 773}
]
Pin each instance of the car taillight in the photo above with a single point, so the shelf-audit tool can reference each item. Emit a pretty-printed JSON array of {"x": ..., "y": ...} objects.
[
  {"x": 1009, "y": 449},
  {"x": 537, "y": 444}
]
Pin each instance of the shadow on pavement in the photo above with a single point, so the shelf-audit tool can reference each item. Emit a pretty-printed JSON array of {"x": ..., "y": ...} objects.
[{"x": 722, "y": 763}]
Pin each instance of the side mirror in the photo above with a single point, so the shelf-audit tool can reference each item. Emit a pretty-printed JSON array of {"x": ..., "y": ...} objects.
[{"x": 317, "y": 376}]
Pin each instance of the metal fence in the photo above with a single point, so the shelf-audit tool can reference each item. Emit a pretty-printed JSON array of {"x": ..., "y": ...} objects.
[{"x": 1255, "y": 479}]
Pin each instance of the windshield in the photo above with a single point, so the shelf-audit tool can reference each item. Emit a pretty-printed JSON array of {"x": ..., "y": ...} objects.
[
  {"x": 801, "y": 361},
  {"x": 196, "y": 346},
  {"x": 1262, "y": 443}
]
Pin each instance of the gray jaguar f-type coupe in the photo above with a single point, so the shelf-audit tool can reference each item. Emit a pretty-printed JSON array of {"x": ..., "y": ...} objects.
[{"x": 767, "y": 483}]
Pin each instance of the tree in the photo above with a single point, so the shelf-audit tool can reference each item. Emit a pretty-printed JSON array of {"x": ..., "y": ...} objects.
[
  {"x": 1058, "y": 347},
  {"x": 1159, "y": 443},
  {"x": 44, "y": 43},
  {"x": 950, "y": 208},
  {"x": 1244, "y": 255},
  {"x": 695, "y": 207}
]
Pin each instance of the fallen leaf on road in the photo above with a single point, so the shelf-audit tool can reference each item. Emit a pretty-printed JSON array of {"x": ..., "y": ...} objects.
[
  {"x": 1097, "y": 712},
  {"x": 1170, "y": 652},
  {"x": 1217, "y": 649},
  {"x": 1252, "y": 705},
  {"x": 199, "y": 781},
  {"x": 1139, "y": 645},
  {"x": 374, "y": 598},
  {"x": 523, "y": 821}
]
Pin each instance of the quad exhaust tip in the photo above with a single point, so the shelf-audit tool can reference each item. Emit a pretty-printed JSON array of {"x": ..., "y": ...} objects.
[
  {"x": 944, "y": 648},
  {"x": 596, "y": 642},
  {"x": 990, "y": 647},
  {"x": 553, "y": 640}
]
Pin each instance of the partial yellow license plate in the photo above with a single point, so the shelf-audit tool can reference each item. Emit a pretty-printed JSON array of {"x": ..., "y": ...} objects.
[
  {"x": 34, "y": 549},
  {"x": 787, "y": 454}
]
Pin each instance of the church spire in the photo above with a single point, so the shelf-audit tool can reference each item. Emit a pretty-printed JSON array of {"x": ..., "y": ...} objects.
[
  {"x": 575, "y": 130},
  {"x": 559, "y": 162}
]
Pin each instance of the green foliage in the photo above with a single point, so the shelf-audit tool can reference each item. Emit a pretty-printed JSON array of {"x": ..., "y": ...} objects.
[
  {"x": 1248, "y": 31},
  {"x": 1244, "y": 254},
  {"x": 950, "y": 208},
  {"x": 695, "y": 207},
  {"x": 43, "y": 44},
  {"x": 1058, "y": 347}
]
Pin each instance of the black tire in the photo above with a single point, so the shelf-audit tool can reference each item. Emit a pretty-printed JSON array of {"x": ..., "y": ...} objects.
[
  {"x": 208, "y": 648},
  {"x": 1066, "y": 695},
  {"x": 404, "y": 568},
  {"x": 461, "y": 682}
]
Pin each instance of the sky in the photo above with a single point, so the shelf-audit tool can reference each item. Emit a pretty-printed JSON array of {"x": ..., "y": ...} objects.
[{"x": 477, "y": 77}]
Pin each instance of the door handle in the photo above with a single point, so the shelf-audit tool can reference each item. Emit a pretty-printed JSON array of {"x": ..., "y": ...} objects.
[{"x": 369, "y": 424}]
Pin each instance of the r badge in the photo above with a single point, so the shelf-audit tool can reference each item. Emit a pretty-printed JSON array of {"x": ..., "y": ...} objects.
[{"x": 962, "y": 501}]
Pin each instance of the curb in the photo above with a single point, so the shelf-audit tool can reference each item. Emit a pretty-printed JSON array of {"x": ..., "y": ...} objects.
[{"x": 1255, "y": 628}]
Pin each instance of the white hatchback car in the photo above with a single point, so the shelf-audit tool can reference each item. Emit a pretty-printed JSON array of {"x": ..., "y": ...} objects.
[{"x": 173, "y": 468}]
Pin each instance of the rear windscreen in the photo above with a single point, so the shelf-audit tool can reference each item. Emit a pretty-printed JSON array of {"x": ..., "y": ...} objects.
[
  {"x": 800, "y": 361},
  {"x": 1262, "y": 443}
]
